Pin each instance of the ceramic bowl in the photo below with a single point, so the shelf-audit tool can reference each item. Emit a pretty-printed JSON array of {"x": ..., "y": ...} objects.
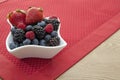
[{"x": 35, "y": 51}]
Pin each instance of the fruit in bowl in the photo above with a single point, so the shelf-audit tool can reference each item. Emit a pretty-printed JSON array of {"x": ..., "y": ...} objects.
[{"x": 33, "y": 35}]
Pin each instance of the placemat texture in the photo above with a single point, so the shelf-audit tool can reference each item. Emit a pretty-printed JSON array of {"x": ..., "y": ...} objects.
[{"x": 84, "y": 25}]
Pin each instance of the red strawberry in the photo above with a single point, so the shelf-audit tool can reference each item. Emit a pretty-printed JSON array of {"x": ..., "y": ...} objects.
[
  {"x": 30, "y": 35},
  {"x": 17, "y": 17},
  {"x": 34, "y": 15},
  {"x": 49, "y": 28}
]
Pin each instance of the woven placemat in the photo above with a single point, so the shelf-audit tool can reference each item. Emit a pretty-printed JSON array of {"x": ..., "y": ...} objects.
[{"x": 84, "y": 25}]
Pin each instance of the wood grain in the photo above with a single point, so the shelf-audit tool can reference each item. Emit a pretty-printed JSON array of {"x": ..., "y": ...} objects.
[{"x": 103, "y": 63}]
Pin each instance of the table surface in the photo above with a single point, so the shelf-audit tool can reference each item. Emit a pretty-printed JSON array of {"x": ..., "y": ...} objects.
[{"x": 103, "y": 63}]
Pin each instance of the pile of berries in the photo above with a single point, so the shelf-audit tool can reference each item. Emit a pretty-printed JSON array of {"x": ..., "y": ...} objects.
[{"x": 31, "y": 28}]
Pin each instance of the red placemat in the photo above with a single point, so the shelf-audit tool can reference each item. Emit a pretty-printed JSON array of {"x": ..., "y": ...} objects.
[{"x": 85, "y": 24}]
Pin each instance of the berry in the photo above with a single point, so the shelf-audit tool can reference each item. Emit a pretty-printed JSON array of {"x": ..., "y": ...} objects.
[
  {"x": 29, "y": 28},
  {"x": 49, "y": 28},
  {"x": 18, "y": 36},
  {"x": 42, "y": 23},
  {"x": 48, "y": 21},
  {"x": 39, "y": 31},
  {"x": 30, "y": 35},
  {"x": 47, "y": 37},
  {"x": 54, "y": 22},
  {"x": 45, "y": 20},
  {"x": 34, "y": 15},
  {"x": 35, "y": 41},
  {"x": 26, "y": 42},
  {"x": 54, "y": 41},
  {"x": 21, "y": 44},
  {"x": 12, "y": 45},
  {"x": 54, "y": 34},
  {"x": 17, "y": 44},
  {"x": 13, "y": 30},
  {"x": 21, "y": 26},
  {"x": 17, "y": 17},
  {"x": 42, "y": 42}
]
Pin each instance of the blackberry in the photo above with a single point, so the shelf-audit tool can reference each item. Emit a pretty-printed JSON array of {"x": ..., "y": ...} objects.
[
  {"x": 18, "y": 35},
  {"x": 55, "y": 41},
  {"x": 21, "y": 44},
  {"x": 54, "y": 22},
  {"x": 17, "y": 44},
  {"x": 39, "y": 31}
]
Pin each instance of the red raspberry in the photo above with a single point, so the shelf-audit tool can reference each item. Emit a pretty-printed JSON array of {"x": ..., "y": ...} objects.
[
  {"x": 30, "y": 35},
  {"x": 49, "y": 28},
  {"x": 21, "y": 26}
]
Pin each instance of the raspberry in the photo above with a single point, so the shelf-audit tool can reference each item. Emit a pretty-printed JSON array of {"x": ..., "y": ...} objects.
[
  {"x": 21, "y": 26},
  {"x": 49, "y": 28},
  {"x": 30, "y": 35},
  {"x": 54, "y": 22}
]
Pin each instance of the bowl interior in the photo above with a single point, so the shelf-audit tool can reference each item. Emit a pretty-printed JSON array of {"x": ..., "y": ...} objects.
[{"x": 10, "y": 39}]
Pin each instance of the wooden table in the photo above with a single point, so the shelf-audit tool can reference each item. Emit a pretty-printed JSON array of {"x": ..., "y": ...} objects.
[{"x": 103, "y": 63}]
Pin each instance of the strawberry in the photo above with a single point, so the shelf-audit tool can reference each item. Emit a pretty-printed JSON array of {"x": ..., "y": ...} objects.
[
  {"x": 34, "y": 15},
  {"x": 17, "y": 17},
  {"x": 48, "y": 28}
]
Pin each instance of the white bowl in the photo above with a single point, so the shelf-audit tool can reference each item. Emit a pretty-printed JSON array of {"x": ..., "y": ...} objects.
[{"x": 35, "y": 51}]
